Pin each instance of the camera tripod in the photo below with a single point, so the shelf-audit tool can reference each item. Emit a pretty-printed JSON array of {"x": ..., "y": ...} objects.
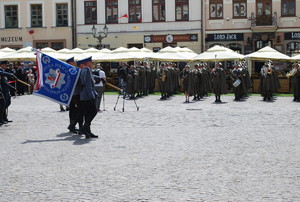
[{"x": 123, "y": 94}]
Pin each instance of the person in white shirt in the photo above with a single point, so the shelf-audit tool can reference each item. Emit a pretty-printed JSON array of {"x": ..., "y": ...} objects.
[{"x": 100, "y": 79}]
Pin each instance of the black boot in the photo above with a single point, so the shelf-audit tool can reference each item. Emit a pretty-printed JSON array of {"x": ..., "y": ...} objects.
[
  {"x": 92, "y": 135},
  {"x": 71, "y": 127}
]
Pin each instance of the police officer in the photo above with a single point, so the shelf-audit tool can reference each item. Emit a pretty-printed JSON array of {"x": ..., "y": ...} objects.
[
  {"x": 74, "y": 116},
  {"x": 87, "y": 96},
  {"x": 5, "y": 99}
]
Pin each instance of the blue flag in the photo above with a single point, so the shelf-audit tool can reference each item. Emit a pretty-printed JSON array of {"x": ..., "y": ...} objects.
[{"x": 56, "y": 79}]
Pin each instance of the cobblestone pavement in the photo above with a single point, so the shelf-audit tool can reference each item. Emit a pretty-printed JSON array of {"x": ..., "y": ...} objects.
[{"x": 166, "y": 151}]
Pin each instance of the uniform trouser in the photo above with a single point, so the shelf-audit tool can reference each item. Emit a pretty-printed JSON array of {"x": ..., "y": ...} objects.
[
  {"x": 99, "y": 90},
  {"x": 89, "y": 111},
  {"x": 74, "y": 110},
  {"x": 2, "y": 109}
]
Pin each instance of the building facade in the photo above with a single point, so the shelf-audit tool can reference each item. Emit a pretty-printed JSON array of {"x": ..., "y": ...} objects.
[
  {"x": 36, "y": 23},
  {"x": 153, "y": 24},
  {"x": 248, "y": 25}
]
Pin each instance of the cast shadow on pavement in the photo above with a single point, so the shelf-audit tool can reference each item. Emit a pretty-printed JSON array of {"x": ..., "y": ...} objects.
[{"x": 78, "y": 140}]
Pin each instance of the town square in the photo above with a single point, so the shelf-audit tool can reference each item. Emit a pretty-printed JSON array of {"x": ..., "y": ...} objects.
[{"x": 149, "y": 100}]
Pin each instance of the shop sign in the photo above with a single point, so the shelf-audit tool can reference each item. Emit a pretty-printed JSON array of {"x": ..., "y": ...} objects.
[
  {"x": 225, "y": 37},
  {"x": 292, "y": 36},
  {"x": 170, "y": 38},
  {"x": 11, "y": 39}
]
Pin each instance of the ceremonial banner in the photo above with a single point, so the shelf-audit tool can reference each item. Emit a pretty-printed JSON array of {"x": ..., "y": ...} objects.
[{"x": 56, "y": 79}]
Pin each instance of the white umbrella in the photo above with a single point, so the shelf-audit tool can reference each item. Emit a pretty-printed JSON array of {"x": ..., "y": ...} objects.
[
  {"x": 62, "y": 54},
  {"x": 268, "y": 53},
  {"x": 170, "y": 54},
  {"x": 296, "y": 57},
  {"x": 24, "y": 54},
  {"x": 119, "y": 55},
  {"x": 186, "y": 52},
  {"x": 49, "y": 51},
  {"x": 218, "y": 53},
  {"x": 97, "y": 55},
  {"x": 6, "y": 51},
  {"x": 77, "y": 53}
]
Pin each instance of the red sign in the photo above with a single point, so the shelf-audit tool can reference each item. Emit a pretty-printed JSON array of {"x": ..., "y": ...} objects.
[{"x": 170, "y": 38}]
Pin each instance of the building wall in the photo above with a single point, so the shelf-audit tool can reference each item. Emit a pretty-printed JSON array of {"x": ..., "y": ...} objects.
[
  {"x": 280, "y": 35},
  {"x": 25, "y": 35},
  {"x": 124, "y": 33}
]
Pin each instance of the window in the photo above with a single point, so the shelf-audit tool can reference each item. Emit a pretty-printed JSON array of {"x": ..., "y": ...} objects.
[
  {"x": 11, "y": 16},
  {"x": 159, "y": 10},
  {"x": 292, "y": 47},
  {"x": 288, "y": 8},
  {"x": 61, "y": 15},
  {"x": 36, "y": 16},
  {"x": 182, "y": 10},
  {"x": 216, "y": 9},
  {"x": 135, "y": 11},
  {"x": 90, "y": 12},
  {"x": 112, "y": 11},
  {"x": 260, "y": 44},
  {"x": 239, "y": 8},
  {"x": 56, "y": 45}
]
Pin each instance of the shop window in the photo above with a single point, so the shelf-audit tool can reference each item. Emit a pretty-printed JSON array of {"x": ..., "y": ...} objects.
[
  {"x": 182, "y": 10},
  {"x": 158, "y": 10},
  {"x": 112, "y": 11},
  {"x": 288, "y": 8},
  {"x": 239, "y": 8},
  {"x": 135, "y": 11},
  {"x": 62, "y": 15},
  {"x": 215, "y": 44},
  {"x": 173, "y": 45},
  {"x": 90, "y": 12},
  {"x": 11, "y": 16},
  {"x": 36, "y": 16},
  {"x": 216, "y": 9},
  {"x": 260, "y": 44},
  {"x": 137, "y": 45},
  {"x": 292, "y": 48},
  {"x": 235, "y": 47}
]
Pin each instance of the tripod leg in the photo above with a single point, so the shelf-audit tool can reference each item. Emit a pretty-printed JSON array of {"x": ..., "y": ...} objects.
[
  {"x": 123, "y": 109},
  {"x": 103, "y": 102},
  {"x": 116, "y": 102},
  {"x": 137, "y": 108}
]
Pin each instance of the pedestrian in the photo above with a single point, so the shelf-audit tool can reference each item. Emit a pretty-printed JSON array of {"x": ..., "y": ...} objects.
[
  {"x": 185, "y": 75},
  {"x": 5, "y": 92},
  {"x": 267, "y": 84},
  {"x": 100, "y": 80},
  {"x": 218, "y": 79},
  {"x": 30, "y": 80},
  {"x": 236, "y": 75},
  {"x": 87, "y": 96},
  {"x": 74, "y": 114},
  {"x": 294, "y": 74}
]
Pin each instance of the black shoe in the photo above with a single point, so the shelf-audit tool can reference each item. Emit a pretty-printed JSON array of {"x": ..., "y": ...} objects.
[
  {"x": 87, "y": 136},
  {"x": 73, "y": 130},
  {"x": 93, "y": 135},
  {"x": 265, "y": 99},
  {"x": 8, "y": 121}
]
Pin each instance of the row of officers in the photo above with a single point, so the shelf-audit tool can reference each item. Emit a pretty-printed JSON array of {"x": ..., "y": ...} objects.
[{"x": 197, "y": 82}]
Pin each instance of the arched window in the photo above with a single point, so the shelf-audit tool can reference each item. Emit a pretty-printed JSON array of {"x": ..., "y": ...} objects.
[
  {"x": 215, "y": 44},
  {"x": 235, "y": 47}
]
